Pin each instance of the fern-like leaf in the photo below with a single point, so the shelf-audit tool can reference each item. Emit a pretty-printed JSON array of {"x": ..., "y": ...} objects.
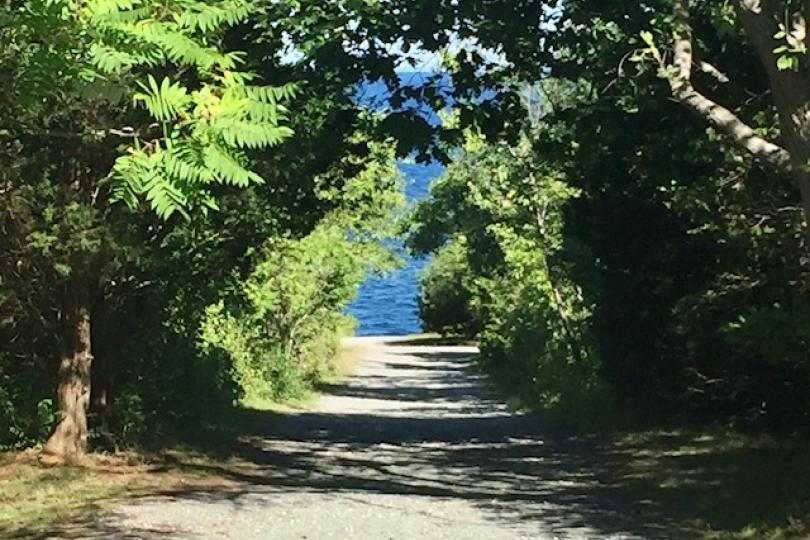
[
  {"x": 227, "y": 170},
  {"x": 164, "y": 102}
]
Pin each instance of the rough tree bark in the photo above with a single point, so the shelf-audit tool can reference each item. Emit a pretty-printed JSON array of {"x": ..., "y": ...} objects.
[
  {"x": 69, "y": 439},
  {"x": 790, "y": 88}
]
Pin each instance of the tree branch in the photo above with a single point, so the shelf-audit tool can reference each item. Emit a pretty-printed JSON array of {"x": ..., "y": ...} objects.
[
  {"x": 126, "y": 132},
  {"x": 720, "y": 117},
  {"x": 718, "y": 75}
]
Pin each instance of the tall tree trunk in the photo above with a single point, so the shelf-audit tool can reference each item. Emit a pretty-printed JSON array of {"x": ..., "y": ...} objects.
[
  {"x": 69, "y": 439},
  {"x": 802, "y": 177},
  {"x": 792, "y": 98},
  {"x": 791, "y": 88}
]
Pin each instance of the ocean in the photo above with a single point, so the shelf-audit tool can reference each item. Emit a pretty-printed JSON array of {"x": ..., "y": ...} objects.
[{"x": 389, "y": 306}]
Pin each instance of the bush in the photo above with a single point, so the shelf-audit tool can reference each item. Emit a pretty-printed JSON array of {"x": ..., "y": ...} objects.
[
  {"x": 501, "y": 270},
  {"x": 282, "y": 330},
  {"x": 199, "y": 314},
  {"x": 445, "y": 305},
  {"x": 26, "y": 418}
]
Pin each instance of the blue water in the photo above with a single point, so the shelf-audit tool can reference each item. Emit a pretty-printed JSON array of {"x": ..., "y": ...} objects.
[{"x": 389, "y": 306}]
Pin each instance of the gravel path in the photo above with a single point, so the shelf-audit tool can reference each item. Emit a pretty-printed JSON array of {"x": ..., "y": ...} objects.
[{"x": 412, "y": 447}]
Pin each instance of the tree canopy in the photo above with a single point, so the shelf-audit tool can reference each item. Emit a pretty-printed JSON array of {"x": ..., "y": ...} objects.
[{"x": 192, "y": 190}]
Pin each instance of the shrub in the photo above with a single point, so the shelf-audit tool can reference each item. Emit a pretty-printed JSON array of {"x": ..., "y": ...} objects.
[
  {"x": 282, "y": 330},
  {"x": 495, "y": 223},
  {"x": 445, "y": 304}
]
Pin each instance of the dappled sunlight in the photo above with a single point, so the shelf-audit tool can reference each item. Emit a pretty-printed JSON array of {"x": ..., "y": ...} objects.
[
  {"x": 416, "y": 440},
  {"x": 415, "y": 432}
]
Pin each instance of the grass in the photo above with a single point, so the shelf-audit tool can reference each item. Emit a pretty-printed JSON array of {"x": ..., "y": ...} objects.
[
  {"x": 715, "y": 484},
  {"x": 33, "y": 496},
  {"x": 722, "y": 485},
  {"x": 436, "y": 340},
  {"x": 348, "y": 357},
  {"x": 37, "y": 501}
]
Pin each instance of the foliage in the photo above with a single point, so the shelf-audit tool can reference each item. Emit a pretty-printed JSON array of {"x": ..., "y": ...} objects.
[
  {"x": 609, "y": 248},
  {"x": 690, "y": 253},
  {"x": 445, "y": 305},
  {"x": 203, "y": 113},
  {"x": 503, "y": 213},
  {"x": 155, "y": 105},
  {"x": 282, "y": 328},
  {"x": 586, "y": 244},
  {"x": 292, "y": 301}
]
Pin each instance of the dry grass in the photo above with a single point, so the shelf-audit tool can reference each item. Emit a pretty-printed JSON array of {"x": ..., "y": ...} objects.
[
  {"x": 34, "y": 497},
  {"x": 348, "y": 358}
]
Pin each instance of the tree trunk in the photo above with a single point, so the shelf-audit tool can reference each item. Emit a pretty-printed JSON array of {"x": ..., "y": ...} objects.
[
  {"x": 105, "y": 329},
  {"x": 69, "y": 439},
  {"x": 791, "y": 91},
  {"x": 803, "y": 179},
  {"x": 793, "y": 106}
]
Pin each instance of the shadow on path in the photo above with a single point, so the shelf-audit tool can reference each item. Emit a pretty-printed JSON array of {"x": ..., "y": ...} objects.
[{"x": 417, "y": 422}]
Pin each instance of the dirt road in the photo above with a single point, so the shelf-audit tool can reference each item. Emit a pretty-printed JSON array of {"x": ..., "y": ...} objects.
[{"x": 411, "y": 447}]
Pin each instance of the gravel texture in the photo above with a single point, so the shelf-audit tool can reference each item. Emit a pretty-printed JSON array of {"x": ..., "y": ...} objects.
[{"x": 411, "y": 447}]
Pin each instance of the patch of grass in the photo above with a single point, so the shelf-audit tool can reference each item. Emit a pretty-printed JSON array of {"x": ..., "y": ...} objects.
[
  {"x": 723, "y": 485},
  {"x": 32, "y": 496},
  {"x": 36, "y": 499},
  {"x": 348, "y": 358},
  {"x": 714, "y": 484},
  {"x": 342, "y": 368},
  {"x": 301, "y": 402},
  {"x": 434, "y": 340}
]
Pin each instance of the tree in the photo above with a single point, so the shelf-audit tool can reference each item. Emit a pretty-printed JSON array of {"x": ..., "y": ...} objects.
[
  {"x": 693, "y": 246},
  {"x": 490, "y": 45},
  {"x": 76, "y": 71},
  {"x": 499, "y": 214},
  {"x": 777, "y": 32}
]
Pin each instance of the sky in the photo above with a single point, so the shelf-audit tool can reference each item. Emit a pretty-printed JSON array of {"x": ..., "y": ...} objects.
[{"x": 416, "y": 59}]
